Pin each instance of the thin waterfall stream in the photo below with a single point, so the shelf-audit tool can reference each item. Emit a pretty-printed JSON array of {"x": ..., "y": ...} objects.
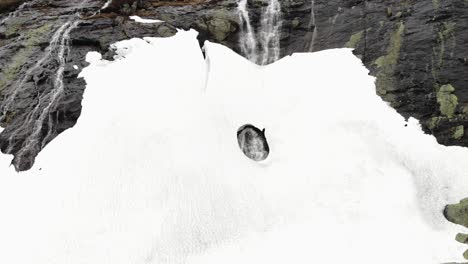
[
  {"x": 47, "y": 102},
  {"x": 53, "y": 45},
  {"x": 313, "y": 23}
]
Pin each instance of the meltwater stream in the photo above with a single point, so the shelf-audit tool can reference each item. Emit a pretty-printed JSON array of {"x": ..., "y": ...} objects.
[
  {"x": 261, "y": 45},
  {"x": 47, "y": 102},
  {"x": 48, "y": 54}
]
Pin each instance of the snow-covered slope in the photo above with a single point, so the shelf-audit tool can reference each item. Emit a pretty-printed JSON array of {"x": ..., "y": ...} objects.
[{"x": 153, "y": 173}]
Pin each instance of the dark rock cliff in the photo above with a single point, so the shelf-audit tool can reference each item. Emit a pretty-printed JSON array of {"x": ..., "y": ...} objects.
[{"x": 416, "y": 49}]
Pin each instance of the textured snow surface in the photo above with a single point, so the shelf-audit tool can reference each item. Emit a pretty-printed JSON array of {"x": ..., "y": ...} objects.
[{"x": 152, "y": 172}]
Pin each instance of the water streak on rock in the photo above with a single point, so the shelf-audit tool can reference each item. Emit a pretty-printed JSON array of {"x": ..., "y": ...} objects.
[
  {"x": 313, "y": 24},
  {"x": 248, "y": 43},
  {"x": 47, "y": 102},
  {"x": 46, "y": 57}
]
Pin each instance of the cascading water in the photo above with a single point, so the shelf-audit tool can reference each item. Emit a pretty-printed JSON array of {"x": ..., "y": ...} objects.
[
  {"x": 47, "y": 102},
  {"x": 270, "y": 33},
  {"x": 262, "y": 46},
  {"x": 248, "y": 43},
  {"x": 52, "y": 48},
  {"x": 53, "y": 45},
  {"x": 58, "y": 90}
]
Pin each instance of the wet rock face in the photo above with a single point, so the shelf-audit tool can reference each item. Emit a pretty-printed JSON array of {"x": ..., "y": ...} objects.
[
  {"x": 416, "y": 49},
  {"x": 253, "y": 143}
]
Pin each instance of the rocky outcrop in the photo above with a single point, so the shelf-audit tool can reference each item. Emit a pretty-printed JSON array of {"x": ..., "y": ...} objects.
[
  {"x": 416, "y": 49},
  {"x": 458, "y": 214}
]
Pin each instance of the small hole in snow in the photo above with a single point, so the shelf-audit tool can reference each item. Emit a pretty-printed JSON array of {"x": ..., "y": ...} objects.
[{"x": 252, "y": 142}]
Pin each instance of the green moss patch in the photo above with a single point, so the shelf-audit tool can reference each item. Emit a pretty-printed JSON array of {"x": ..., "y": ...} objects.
[
  {"x": 447, "y": 100},
  {"x": 457, "y": 213},
  {"x": 354, "y": 40},
  {"x": 434, "y": 122},
  {"x": 387, "y": 63},
  {"x": 33, "y": 38},
  {"x": 458, "y": 132},
  {"x": 462, "y": 238}
]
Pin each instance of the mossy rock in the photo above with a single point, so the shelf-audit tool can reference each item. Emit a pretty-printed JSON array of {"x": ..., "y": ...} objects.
[
  {"x": 462, "y": 238},
  {"x": 457, "y": 213},
  {"x": 434, "y": 122},
  {"x": 447, "y": 100},
  {"x": 458, "y": 132},
  {"x": 387, "y": 64},
  {"x": 33, "y": 38},
  {"x": 354, "y": 40},
  {"x": 221, "y": 28}
]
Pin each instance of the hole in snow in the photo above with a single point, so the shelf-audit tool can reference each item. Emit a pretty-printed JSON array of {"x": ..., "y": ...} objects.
[{"x": 252, "y": 142}]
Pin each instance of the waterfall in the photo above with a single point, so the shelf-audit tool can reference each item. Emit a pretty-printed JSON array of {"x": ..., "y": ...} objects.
[
  {"x": 263, "y": 45},
  {"x": 270, "y": 33},
  {"x": 314, "y": 24},
  {"x": 248, "y": 43},
  {"x": 47, "y": 102},
  {"x": 58, "y": 90},
  {"x": 27, "y": 76}
]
